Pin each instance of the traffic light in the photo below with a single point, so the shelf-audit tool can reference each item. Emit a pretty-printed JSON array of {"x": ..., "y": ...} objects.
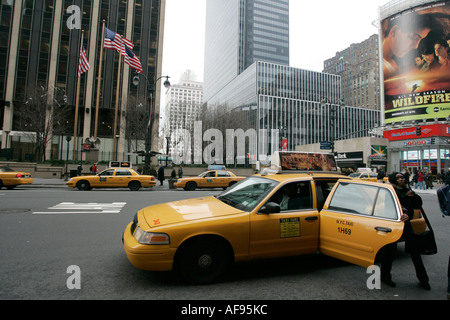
[
  {"x": 418, "y": 131},
  {"x": 433, "y": 140}
]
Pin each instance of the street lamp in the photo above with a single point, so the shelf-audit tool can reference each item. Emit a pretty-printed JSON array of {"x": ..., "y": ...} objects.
[
  {"x": 323, "y": 102},
  {"x": 147, "y": 153}
]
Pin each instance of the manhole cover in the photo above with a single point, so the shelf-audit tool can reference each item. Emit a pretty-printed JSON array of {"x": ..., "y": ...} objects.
[{"x": 14, "y": 210}]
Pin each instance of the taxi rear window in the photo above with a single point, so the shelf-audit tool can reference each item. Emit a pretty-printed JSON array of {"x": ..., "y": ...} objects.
[{"x": 364, "y": 200}]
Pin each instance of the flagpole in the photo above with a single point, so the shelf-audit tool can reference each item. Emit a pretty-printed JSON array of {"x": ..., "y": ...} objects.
[
  {"x": 116, "y": 110},
  {"x": 97, "y": 103},
  {"x": 75, "y": 126}
]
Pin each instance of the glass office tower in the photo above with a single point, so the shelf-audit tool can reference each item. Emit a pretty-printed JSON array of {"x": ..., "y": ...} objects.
[
  {"x": 247, "y": 69},
  {"x": 240, "y": 32},
  {"x": 300, "y": 105}
]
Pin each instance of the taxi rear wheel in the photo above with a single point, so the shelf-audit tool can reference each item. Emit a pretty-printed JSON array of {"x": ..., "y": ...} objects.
[
  {"x": 134, "y": 185},
  {"x": 83, "y": 185},
  {"x": 204, "y": 260},
  {"x": 191, "y": 186}
]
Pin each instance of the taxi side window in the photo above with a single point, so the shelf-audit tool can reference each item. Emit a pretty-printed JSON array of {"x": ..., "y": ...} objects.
[
  {"x": 364, "y": 200},
  {"x": 210, "y": 174},
  {"x": 222, "y": 174},
  {"x": 293, "y": 196},
  {"x": 107, "y": 173},
  {"x": 385, "y": 205},
  {"x": 121, "y": 172}
]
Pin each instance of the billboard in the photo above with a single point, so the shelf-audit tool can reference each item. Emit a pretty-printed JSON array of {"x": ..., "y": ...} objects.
[{"x": 416, "y": 63}]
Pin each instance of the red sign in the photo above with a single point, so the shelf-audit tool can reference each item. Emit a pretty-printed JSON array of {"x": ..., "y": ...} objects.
[
  {"x": 426, "y": 131},
  {"x": 284, "y": 144}
]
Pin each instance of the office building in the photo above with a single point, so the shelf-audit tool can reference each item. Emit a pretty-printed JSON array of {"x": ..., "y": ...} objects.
[
  {"x": 301, "y": 107},
  {"x": 40, "y": 48},
  {"x": 359, "y": 68},
  {"x": 415, "y": 110},
  {"x": 240, "y": 32},
  {"x": 183, "y": 106}
]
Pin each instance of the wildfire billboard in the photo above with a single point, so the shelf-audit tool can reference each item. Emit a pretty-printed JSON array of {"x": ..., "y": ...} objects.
[{"x": 416, "y": 63}]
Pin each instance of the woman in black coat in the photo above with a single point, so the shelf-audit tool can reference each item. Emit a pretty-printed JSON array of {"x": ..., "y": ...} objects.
[{"x": 409, "y": 201}]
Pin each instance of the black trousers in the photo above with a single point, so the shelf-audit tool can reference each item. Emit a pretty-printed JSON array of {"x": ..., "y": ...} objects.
[{"x": 388, "y": 259}]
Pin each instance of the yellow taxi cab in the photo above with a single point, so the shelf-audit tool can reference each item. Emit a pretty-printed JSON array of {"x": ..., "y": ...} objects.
[
  {"x": 10, "y": 178},
  {"x": 209, "y": 179},
  {"x": 267, "y": 215},
  {"x": 113, "y": 177},
  {"x": 366, "y": 176}
]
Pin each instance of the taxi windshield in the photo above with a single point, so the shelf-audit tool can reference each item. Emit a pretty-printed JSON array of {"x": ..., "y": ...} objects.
[
  {"x": 247, "y": 193},
  {"x": 355, "y": 174}
]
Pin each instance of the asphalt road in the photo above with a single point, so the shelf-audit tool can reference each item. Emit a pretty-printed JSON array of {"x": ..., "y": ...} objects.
[{"x": 42, "y": 234}]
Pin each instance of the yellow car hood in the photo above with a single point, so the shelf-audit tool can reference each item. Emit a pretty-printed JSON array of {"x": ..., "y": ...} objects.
[{"x": 186, "y": 210}]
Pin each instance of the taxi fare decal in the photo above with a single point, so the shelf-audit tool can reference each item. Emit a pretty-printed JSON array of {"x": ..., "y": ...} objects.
[{"x": 290, "y": 227}]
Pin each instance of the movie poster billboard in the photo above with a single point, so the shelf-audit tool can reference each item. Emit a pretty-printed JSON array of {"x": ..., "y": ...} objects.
[{"x": 416, "y": 63}]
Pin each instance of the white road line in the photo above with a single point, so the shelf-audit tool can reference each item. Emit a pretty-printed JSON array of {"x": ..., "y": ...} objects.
[{"x": 83, "y": 208}]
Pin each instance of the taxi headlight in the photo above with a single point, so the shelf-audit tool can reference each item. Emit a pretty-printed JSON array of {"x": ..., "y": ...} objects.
[{"x": 144, "y": 237}]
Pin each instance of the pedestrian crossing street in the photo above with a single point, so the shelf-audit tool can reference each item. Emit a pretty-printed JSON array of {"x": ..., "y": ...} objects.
[{"x": 83, "y": 208}]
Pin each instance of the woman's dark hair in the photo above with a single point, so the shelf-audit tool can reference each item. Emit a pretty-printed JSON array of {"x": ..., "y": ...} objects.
[{"x": 393, "y": 177}]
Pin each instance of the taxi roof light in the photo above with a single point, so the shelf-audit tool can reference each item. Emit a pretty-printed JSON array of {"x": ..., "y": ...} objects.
[{"x": 297, "y": 161}]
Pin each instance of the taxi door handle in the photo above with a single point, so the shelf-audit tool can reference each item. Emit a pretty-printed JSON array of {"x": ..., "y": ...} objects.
[
  {"x": 311, "y": 218},
  {"x": 382, "y": 229}
]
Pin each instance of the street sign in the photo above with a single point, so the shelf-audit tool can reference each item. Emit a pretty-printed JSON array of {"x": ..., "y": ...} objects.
[{"x": 325, "y": 145}]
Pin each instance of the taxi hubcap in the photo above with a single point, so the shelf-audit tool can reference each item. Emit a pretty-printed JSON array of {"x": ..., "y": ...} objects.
[{"x": 204, "y": 261}]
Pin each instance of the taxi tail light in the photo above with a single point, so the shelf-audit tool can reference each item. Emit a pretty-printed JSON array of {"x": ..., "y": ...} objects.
[
  {"x": 153, "y": 178},
  {"x": 18, "y": 175}
]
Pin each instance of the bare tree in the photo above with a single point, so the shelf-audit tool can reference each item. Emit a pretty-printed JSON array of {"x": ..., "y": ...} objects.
[
  {"x": 44, "y": 113},
  {"x": 136, "y": 123}
]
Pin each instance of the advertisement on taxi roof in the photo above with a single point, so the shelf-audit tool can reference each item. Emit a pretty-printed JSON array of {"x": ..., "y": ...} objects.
[
  {"x": 307, "y": 161},
  {"x": 416, "y": 63}
]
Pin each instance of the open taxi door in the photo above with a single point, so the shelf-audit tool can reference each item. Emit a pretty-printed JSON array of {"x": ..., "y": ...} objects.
[{"x": 358, "y": 219}]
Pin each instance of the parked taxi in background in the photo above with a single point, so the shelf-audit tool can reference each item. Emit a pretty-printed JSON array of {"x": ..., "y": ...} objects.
[
  {"x": 265, "y": 216},
  {"x": 219, "y": 178},
  {"x": 10, "y": 178},
  {"x": 366, "y": 176},
  {"x": 121, "y": 176}
]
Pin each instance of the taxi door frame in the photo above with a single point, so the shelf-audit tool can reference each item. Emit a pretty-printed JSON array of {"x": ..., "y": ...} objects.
[
  {"x": 204, "y": 180},
  {"x": 356, "y": 238},
  {"x": 266, "y": 240}
]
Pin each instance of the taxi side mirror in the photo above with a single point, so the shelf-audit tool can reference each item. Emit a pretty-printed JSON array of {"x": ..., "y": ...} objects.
[{"x": 270, "y": 207}]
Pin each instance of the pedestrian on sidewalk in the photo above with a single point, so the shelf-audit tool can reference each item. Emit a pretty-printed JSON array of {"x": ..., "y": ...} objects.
[
  {"x": 410, "y": 201},
  {"x": 161, "y": 174},
  {"x": 420, "y": 180}
]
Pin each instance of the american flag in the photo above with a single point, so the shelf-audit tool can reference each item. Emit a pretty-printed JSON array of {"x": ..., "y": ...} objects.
[
  {"x": 132, "y": 60},
  {"x": 115, "y": 41},
  {"x": 83, "y": 64}
]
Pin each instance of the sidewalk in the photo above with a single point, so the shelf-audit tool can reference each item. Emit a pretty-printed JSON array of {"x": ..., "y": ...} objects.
[{"x": 61, "y": 183}]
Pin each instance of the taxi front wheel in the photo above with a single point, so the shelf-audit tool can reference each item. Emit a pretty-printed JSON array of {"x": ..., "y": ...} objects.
[
  {"x": 191, "y": 186},
  {"x": 204, "y": 261},
  {"x": 83, "y": 185}
]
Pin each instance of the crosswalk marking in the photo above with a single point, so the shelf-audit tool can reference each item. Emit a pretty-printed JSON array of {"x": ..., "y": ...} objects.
[{"x": 72, "y": 207}]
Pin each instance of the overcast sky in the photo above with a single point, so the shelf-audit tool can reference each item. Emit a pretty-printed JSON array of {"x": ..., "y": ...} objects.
[{"x": 318, "y": 29}]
